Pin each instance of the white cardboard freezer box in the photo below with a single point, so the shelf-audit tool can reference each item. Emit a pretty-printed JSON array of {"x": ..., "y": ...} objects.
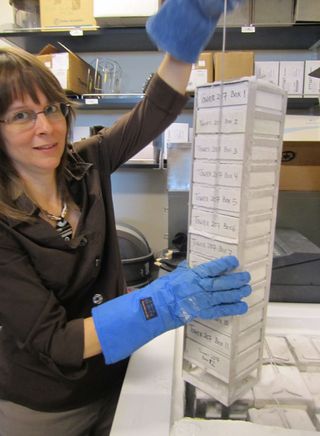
[{"x": 124, "y": 12}]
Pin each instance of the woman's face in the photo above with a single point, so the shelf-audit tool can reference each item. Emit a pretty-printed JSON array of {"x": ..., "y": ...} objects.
[{"x": 36, "y": 148}]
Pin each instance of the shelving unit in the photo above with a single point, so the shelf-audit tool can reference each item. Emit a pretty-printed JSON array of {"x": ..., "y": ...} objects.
[
  {"x": 128, "y": 101},
  {"x": 113, "y": 39},
  {"x": 298, "y": 37},
  {"x": 113, "y": 101}
]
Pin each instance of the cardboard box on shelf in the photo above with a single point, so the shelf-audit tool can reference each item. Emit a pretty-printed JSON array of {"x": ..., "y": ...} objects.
[
  {"x": 233, "y": 64},
  {"x": 240, "y": 16},
  {"x": 300, "y": 178},
  {"x": 273, "y": 12},
  {"x": 300, "y": 169},
  {"x": 73, "y": 73},
  {"x": 55, "y": 14},
  {"x": 202, "y": 71},
  {"x": 301, "y": 153},
  {"x": 124, "y": 12},
  {"x": 307, "y": 10}
]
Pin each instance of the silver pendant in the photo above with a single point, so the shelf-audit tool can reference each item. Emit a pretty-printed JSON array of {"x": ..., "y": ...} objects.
[{"x": 62, "y": 223}]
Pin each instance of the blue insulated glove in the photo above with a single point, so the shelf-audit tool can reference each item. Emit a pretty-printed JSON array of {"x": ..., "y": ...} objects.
[
  {"x": 128, "y": 322},
  {"x": 184, "y": 27}
]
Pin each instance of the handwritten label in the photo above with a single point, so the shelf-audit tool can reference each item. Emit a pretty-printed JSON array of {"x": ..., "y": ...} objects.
[
  {"x": 211, "y": 360},
  {"x": 216, "y": 173},
  {"x": 215, "y": 340},
  {"x": 227, "y": 93},
  {"x": 209, "y": 338},
  {"x": 215, "y": 223},
  {"x": 218, "y": 364},
  {"x": 217, "y": 197},
  {"x": 215, "y": 146},
  {"x": 227, "y": 120},
  {"x": 210, "y": 248}
]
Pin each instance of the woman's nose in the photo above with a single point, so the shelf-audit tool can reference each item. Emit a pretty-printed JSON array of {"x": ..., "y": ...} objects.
[{"x": 42, "y": 124}]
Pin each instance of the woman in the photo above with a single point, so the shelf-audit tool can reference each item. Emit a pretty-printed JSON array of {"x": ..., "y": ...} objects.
[{"x": 65, "y": 337}]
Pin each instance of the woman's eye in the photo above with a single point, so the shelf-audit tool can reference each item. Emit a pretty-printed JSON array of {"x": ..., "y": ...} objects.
[
  {"x": 21, "y": 116},
  {"x": 51, "y": 109}
]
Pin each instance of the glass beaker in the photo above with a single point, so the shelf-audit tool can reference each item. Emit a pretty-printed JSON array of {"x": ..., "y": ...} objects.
[
  {"x": 26, "y": 13},
  {"x": 108, "y": 81}
]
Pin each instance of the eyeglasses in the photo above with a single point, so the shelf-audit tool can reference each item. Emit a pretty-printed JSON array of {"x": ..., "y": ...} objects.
[{"x": 25, "y": 119}]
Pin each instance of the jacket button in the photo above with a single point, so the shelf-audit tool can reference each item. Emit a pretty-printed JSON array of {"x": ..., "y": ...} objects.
[
  {"x": 97, "y": 298},
  {"x": 83, "y": 242},
  {"x": 97, "y": 262}
]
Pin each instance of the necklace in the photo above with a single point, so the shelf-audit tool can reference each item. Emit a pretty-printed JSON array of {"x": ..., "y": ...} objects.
[
  {"x": 59, "y": 219},
  {"x": 63, "y": 226}
]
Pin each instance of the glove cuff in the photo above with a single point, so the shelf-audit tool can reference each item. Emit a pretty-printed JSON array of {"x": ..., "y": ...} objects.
[
  {"x": 126, "y": 323},
  {"x": 181, "y": 29}
]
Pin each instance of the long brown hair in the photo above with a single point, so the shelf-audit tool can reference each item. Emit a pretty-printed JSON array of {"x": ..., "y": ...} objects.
[{"x": 22, "y": 74}]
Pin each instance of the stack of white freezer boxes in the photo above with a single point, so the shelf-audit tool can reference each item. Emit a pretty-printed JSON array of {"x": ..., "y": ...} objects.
[{"x": 238, "y": 130}]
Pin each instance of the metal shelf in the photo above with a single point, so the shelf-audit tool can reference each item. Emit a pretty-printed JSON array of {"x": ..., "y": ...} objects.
[
  {"x": 298, "y": 36},
  {"x": 141, "y": 165},
  {"x": 128, "y": 101},
  {"x": 113, "y": 101}
]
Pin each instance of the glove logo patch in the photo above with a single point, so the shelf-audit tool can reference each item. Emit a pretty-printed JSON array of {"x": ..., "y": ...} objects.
[{"x": 148, "y": 308}]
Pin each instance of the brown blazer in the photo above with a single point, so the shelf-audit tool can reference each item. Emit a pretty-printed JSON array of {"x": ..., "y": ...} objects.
[{"x": 48, "y": 285}]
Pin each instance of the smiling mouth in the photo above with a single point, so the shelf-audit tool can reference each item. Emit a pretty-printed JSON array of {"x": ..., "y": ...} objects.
[{"x": 46, "y": 147}]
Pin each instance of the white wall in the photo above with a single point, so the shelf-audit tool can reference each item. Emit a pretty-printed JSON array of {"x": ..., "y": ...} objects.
[{"x": 140, "y": 199}]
